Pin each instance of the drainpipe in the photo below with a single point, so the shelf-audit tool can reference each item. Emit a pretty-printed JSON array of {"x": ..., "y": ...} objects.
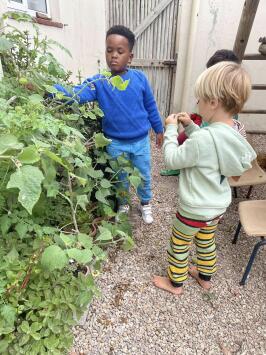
[{"x": 187, "y": 29}]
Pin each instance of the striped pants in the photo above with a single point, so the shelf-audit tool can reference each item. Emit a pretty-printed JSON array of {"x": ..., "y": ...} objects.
[{"x": 183, "y": 232}]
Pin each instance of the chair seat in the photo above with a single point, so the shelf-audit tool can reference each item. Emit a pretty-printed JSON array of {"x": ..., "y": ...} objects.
[
  {"x": 254, "y": 176},
  {"x": 253, "y": 217}
]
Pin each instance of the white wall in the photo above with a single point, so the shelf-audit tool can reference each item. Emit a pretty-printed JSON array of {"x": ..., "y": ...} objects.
[
  {"x": 213, "y": 25},
  {"x": 83, "y": 33}
]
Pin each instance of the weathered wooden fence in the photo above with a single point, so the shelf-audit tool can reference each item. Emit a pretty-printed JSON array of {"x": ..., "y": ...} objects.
[{"x": 154, "y": 23}]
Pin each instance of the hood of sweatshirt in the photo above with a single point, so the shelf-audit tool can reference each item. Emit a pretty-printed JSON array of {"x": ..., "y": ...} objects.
[{"x": 234, "y": 152}]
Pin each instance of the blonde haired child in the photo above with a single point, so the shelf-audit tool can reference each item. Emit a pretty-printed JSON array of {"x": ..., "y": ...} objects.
[{"x": 206, "y": 159}]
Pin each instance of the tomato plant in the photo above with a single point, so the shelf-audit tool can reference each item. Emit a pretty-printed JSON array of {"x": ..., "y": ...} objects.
[{"x": 57, "y": 198}]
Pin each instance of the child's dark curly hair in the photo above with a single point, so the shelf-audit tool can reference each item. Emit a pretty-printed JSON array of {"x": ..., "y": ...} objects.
[
  {"x": 122, "y": 31},
  {"x": 222, "y": 55}
]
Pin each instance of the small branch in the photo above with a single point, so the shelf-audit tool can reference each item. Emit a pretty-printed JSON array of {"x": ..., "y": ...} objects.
[
  {"x": 73, "y": 210},
  {"x": 66, "y": 225},
  {"x": 11, "y": 100},
  {"x": 118, "y": 171},
  {"x": 75, "y": 95}
]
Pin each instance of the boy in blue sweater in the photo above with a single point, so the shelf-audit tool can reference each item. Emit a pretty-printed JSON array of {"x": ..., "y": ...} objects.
[{"x": 128, "y": 115}]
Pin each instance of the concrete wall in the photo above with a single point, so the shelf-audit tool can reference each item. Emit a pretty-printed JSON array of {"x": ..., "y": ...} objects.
[
  {"x": 204, "y": 27},
  {"x": 83, "y": 33}
]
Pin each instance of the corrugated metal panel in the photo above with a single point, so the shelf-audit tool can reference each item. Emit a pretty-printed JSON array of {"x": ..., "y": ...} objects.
[{"x": 155, "y": 45}]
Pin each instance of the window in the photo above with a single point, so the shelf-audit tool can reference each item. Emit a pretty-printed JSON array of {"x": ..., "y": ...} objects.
[
  {"x": 30, "y": 6},
  {"x": 38, "y": 5}
]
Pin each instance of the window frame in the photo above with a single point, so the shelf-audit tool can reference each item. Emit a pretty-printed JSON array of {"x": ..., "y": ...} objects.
[{"x": 13, "y": 5}]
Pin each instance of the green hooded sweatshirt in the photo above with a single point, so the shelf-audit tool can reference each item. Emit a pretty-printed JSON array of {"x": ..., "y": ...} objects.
[{"x": 207, "y": 158}]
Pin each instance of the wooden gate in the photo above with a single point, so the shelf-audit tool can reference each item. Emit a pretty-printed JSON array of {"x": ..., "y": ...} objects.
[{"x": 154, "y": 23}]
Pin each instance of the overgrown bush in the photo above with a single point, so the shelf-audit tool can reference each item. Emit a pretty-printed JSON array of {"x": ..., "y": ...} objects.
[{"x": 57, "y": 193}]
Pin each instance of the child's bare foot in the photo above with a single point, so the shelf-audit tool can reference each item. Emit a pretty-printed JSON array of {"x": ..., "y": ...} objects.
[
  {"x": 195, "y": 274},
  {"x": 165, "y": 284}
]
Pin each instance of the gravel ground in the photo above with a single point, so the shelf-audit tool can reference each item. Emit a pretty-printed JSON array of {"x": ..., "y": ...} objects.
[{"x": 134, "y": 317}]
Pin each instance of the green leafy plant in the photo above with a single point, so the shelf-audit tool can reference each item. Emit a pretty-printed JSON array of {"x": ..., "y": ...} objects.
[{"x": 57, "y": 198}]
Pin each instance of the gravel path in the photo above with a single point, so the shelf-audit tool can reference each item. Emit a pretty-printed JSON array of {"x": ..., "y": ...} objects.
[{"x": 134, "y": 317}]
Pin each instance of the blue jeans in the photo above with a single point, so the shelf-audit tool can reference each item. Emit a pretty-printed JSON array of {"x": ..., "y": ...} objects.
[{"x": 138, "y": 153}]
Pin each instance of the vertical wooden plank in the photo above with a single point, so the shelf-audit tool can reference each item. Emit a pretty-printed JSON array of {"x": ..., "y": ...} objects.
[
  {"x": 245, "y": 25},
  {"x": 125, "y": 12}
]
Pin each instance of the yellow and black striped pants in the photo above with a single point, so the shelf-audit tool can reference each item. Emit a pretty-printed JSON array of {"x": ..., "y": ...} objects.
[{"x": 183, "y": 232}]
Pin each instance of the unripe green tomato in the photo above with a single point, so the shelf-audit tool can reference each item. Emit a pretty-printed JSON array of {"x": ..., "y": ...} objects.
[
  {"x": 23, "y": 81},
  {"x": 18, "y": 108}
]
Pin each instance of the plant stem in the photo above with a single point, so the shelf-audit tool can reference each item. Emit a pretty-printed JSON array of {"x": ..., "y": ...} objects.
[
  {"x": 73, "y": 210},
  {"x": 75, "y": 95}
]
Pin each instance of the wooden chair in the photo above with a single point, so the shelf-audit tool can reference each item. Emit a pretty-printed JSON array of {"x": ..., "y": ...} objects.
[
  {"x": 252, "y": 217},
  {"x": 254, "y": 176}
]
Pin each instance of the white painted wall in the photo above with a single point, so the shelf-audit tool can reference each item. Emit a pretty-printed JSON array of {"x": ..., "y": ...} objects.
[
  {"x": 83, "y": 33},
  {"x": 210, "y": 25}
]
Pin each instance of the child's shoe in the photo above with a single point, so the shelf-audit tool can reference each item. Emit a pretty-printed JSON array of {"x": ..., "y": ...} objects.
[
  {"x": 146, "y": 213},
  {"x": 121, "y": 209}
]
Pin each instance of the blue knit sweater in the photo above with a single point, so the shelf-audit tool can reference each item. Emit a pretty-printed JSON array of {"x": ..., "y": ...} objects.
[{"x": 129, "y": 114}]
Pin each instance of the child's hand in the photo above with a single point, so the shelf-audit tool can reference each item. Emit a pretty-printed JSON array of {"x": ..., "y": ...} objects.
[
  {"x": 159, "y": 140},
  {"x": 172, "y": 119},
  {"x": 184, "y": 118}
]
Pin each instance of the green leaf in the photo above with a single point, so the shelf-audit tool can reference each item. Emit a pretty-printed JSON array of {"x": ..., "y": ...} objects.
[
  {"x": 12, "y": 255},
  {"x": 9, "y": 142},
  {"x": 35, "y": 98},
  {"x": 101, "y": 194},
  {"x": 36, "y": 336},
  {"x": 53, "y": 258},
  {"x": 106, "y": 73},
  {"x": 85, "y": 240},
  {"x": 5, "y": 223},
  {"x": 9, "y": 314},
  {"x": 91, "y": 115},
  {"x": 35, "y": 327},
  {"x": 67, "y": 239},
  {"x": 102, "y": 158},
  {"x": 104, "y": 235},
  {"x": 82, "y": 201},
  {"x": 28, "y": 180},
  {"x": 18, "y": 16},
  {"x": 81, "y": 256},
  {"x": 128, "y": 244},
  {"x": 3, "y": 345},
  {"x": 105, "y": 183},
  {"x": 135, "y": 180},
  {"x": 119, "y": 83},
  {"x": 96, "y": 174},
  {"x": 50, "y": 89},
  {"x": 21, "y": 228},
  {"x": 5, "y": 44},
  {"x": 98, "y": 111},
  {"x": 123, "y": 161},
  {"x": 81, "y": 180},
  {"x": 29, "y": 155},
  {"x": 59, "y": 45},
  {"x": 100, "y": 140},
  {"x": 24, "y": 339},
  {"x": 25, "y": 327},
  {"x": 52, "y": 188},
  {"x": 109, "y": 170},
  {"x": 116, "y": 80},
  {"x": 108, "y": 211},
  {"x": 52, "y": 342},
  {"x": 55, "y": 158}
]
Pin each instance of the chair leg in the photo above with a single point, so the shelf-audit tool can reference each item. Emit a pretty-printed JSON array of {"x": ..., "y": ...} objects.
[
  {"x": 251, "y": 260},
  {"x": 249, "y": 192},
  {"x": 235, "y": 192},
  {"x": 237, "y": 233}
]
